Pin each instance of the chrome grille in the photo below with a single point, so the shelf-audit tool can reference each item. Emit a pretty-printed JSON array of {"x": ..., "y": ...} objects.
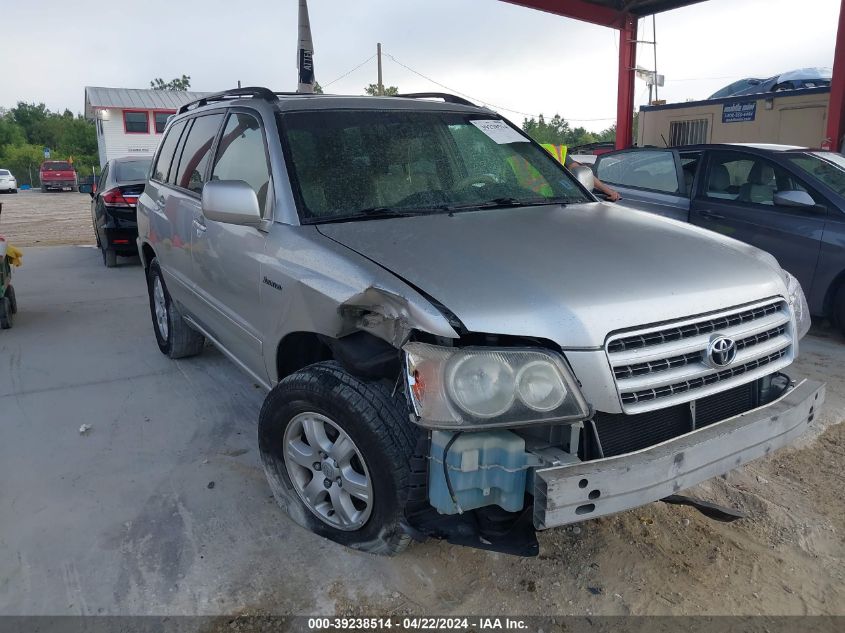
[{"x": 667, "y": 364}]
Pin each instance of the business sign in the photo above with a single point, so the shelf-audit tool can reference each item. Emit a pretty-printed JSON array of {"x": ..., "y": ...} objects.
[{"x": 739, "y": 112}]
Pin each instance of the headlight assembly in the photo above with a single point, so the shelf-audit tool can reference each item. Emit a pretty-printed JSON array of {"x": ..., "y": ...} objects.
[
  {"x": 798, "y": 302},
  {"x": 480, "y": 387}
]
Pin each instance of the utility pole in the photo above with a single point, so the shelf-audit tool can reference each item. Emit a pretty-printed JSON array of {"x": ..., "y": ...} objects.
[
  {"x": 378, "y": 56},
  {"x": 654, "y": 37},
  {"x": 305, "y": 51}
]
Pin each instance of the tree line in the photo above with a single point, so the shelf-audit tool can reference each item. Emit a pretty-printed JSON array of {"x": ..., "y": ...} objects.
[
  {"x": 27, "y": 129},
  {"x": 558, "y": 131}
]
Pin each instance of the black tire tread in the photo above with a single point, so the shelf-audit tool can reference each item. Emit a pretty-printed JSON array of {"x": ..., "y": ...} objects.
[
  {"x": 13, "y": 300},
  {"x": 183, "y": 341},
  {"x": 6, "y": 319},
  {"x": 395, "y": 431}
]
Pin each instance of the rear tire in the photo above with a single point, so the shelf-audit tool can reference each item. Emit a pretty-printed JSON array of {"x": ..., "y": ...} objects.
[
  {"x": 6, "y": 318},
  {"x": 174, "y": 336},
  {"x": 377, "y": 485}
]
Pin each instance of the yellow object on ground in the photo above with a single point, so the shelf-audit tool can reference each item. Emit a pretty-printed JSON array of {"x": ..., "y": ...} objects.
[{"x": 15, "y": 255}]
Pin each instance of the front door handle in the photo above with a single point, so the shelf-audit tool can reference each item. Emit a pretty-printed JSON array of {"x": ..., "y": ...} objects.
[{"x": 712, "y": 215}]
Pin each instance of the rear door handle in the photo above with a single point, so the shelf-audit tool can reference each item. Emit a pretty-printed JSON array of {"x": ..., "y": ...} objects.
[
  {"x": 199, "y": 226},
  {"x": 712, "y": 215}
]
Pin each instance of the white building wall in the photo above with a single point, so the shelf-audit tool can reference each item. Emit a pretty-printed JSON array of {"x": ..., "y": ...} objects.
[{"x": 116, "y": 143}]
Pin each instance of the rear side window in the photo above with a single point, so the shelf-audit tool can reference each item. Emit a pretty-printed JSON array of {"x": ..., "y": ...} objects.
[
  {"x": 241, "y": 155},
  {"x": 165, "y": 156},
  {"x": 750, "y": 179},
  {"x": 641, "y": 169},
  {"x": 5, "y": 172},
  {"x": 101, "y": 185},
  {"x": 196, "y": 152}
]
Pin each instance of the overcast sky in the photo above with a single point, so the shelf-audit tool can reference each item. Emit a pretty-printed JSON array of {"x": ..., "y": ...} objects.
[{"x": 522, "y": 61}]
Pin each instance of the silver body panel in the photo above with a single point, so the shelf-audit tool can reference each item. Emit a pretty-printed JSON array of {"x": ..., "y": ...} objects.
[
  {"x": 631, "y": 480},
  {"x": 568, "y": 274}
]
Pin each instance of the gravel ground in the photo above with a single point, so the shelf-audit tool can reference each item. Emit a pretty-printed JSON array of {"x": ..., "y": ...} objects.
[
  {"x": 32, "y": 218},
  {"x": 238, "y": 552}
]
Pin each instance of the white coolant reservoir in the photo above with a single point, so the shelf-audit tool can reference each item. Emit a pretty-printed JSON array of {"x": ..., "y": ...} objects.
[{"x": 485, "y": 468}]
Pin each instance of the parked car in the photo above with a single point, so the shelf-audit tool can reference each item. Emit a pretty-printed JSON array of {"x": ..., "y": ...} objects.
[
  {"x": 113, "y": 207},
  {"x": 57, "y": 175},
  {"x": 789, "y": 201},
  {"x": 791, "y": 80},
  {"x": 749, "y": 83},
  {"x": 459, "y": 341},
  {"x": 8, "y": 184}
]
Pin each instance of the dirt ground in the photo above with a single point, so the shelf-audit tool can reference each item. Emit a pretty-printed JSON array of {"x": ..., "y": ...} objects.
[
  {"x": 787, "y": 558},
  {"x": 32, "y": 218}
]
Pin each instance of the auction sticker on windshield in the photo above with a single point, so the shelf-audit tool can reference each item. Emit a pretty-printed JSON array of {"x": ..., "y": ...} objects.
[{"x": 499, "y": 131}]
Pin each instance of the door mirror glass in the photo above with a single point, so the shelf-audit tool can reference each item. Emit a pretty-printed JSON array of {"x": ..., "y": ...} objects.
[
  {"x": 230, "y": 201},
  {"x": 794, "y": 199},
  {"x": 585, "y": 176}
]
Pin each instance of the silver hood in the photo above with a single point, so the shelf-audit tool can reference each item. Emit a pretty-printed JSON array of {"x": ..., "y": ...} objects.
[{"x": 568, "y": 274}]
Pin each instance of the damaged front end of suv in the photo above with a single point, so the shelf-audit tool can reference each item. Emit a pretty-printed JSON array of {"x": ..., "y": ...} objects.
[{"x": 459, "y": 340}]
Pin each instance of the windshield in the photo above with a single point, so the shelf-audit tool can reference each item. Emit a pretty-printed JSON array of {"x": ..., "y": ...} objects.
[
  {"x": 828, "y": 167},
  {"x": 132, "y": 171},
  {"x": 56, "y": 166},
  {"x": 355, "y": 164}
]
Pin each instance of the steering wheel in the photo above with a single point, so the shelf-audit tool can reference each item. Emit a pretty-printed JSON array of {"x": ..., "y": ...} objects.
[{"x": 474, "y": 179}]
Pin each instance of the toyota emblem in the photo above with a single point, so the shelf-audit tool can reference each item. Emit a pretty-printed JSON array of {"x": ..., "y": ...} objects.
[{"x": 721, "y": 351}]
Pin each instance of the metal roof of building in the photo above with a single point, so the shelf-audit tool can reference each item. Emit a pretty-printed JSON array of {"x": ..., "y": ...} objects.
[{"x": 145, "y": 99}]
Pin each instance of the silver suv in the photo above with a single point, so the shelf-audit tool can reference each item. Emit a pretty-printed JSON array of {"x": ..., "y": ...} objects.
[{"x": 458, "y": 340}]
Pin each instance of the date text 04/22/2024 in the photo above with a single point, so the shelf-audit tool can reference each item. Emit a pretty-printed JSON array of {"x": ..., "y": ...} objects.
[{"x": 417, "y": 624}]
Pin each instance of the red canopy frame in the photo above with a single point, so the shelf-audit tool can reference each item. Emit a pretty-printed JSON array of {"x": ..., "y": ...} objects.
[{"x": 603, "y": 13}]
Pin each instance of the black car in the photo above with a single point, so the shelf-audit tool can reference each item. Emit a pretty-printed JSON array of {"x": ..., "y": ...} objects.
[
  {"x": 113, "y": 207},
  {"x": 789, "y": 201}
]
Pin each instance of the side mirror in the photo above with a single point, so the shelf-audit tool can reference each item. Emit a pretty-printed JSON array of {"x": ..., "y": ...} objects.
[
  {"x": 793, "y": 199},
  {"x": 585, "y": 177},
  {"x": 230, "y": 201}
]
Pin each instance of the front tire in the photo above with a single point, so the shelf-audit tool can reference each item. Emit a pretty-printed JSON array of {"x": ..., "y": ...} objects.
[
  {"x": 336, "y": 453},
  {"x": 174, "y": 336},
  {"x": 13, "y": 301}
]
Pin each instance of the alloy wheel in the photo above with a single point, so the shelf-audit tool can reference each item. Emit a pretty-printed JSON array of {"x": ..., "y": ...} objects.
[{"x": 328, "y": 471}]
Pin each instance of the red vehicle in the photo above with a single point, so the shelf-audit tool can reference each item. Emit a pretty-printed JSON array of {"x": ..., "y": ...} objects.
[{"x": 58, "y": 175}]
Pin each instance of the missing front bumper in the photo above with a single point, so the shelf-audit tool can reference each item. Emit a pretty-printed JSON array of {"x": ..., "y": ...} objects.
[{"x": 572, "y": 493}]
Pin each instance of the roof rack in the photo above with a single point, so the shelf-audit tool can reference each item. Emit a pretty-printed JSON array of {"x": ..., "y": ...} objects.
[
  {"x": 254, "y": 91},
  {"x": 448, "y": 98}
]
